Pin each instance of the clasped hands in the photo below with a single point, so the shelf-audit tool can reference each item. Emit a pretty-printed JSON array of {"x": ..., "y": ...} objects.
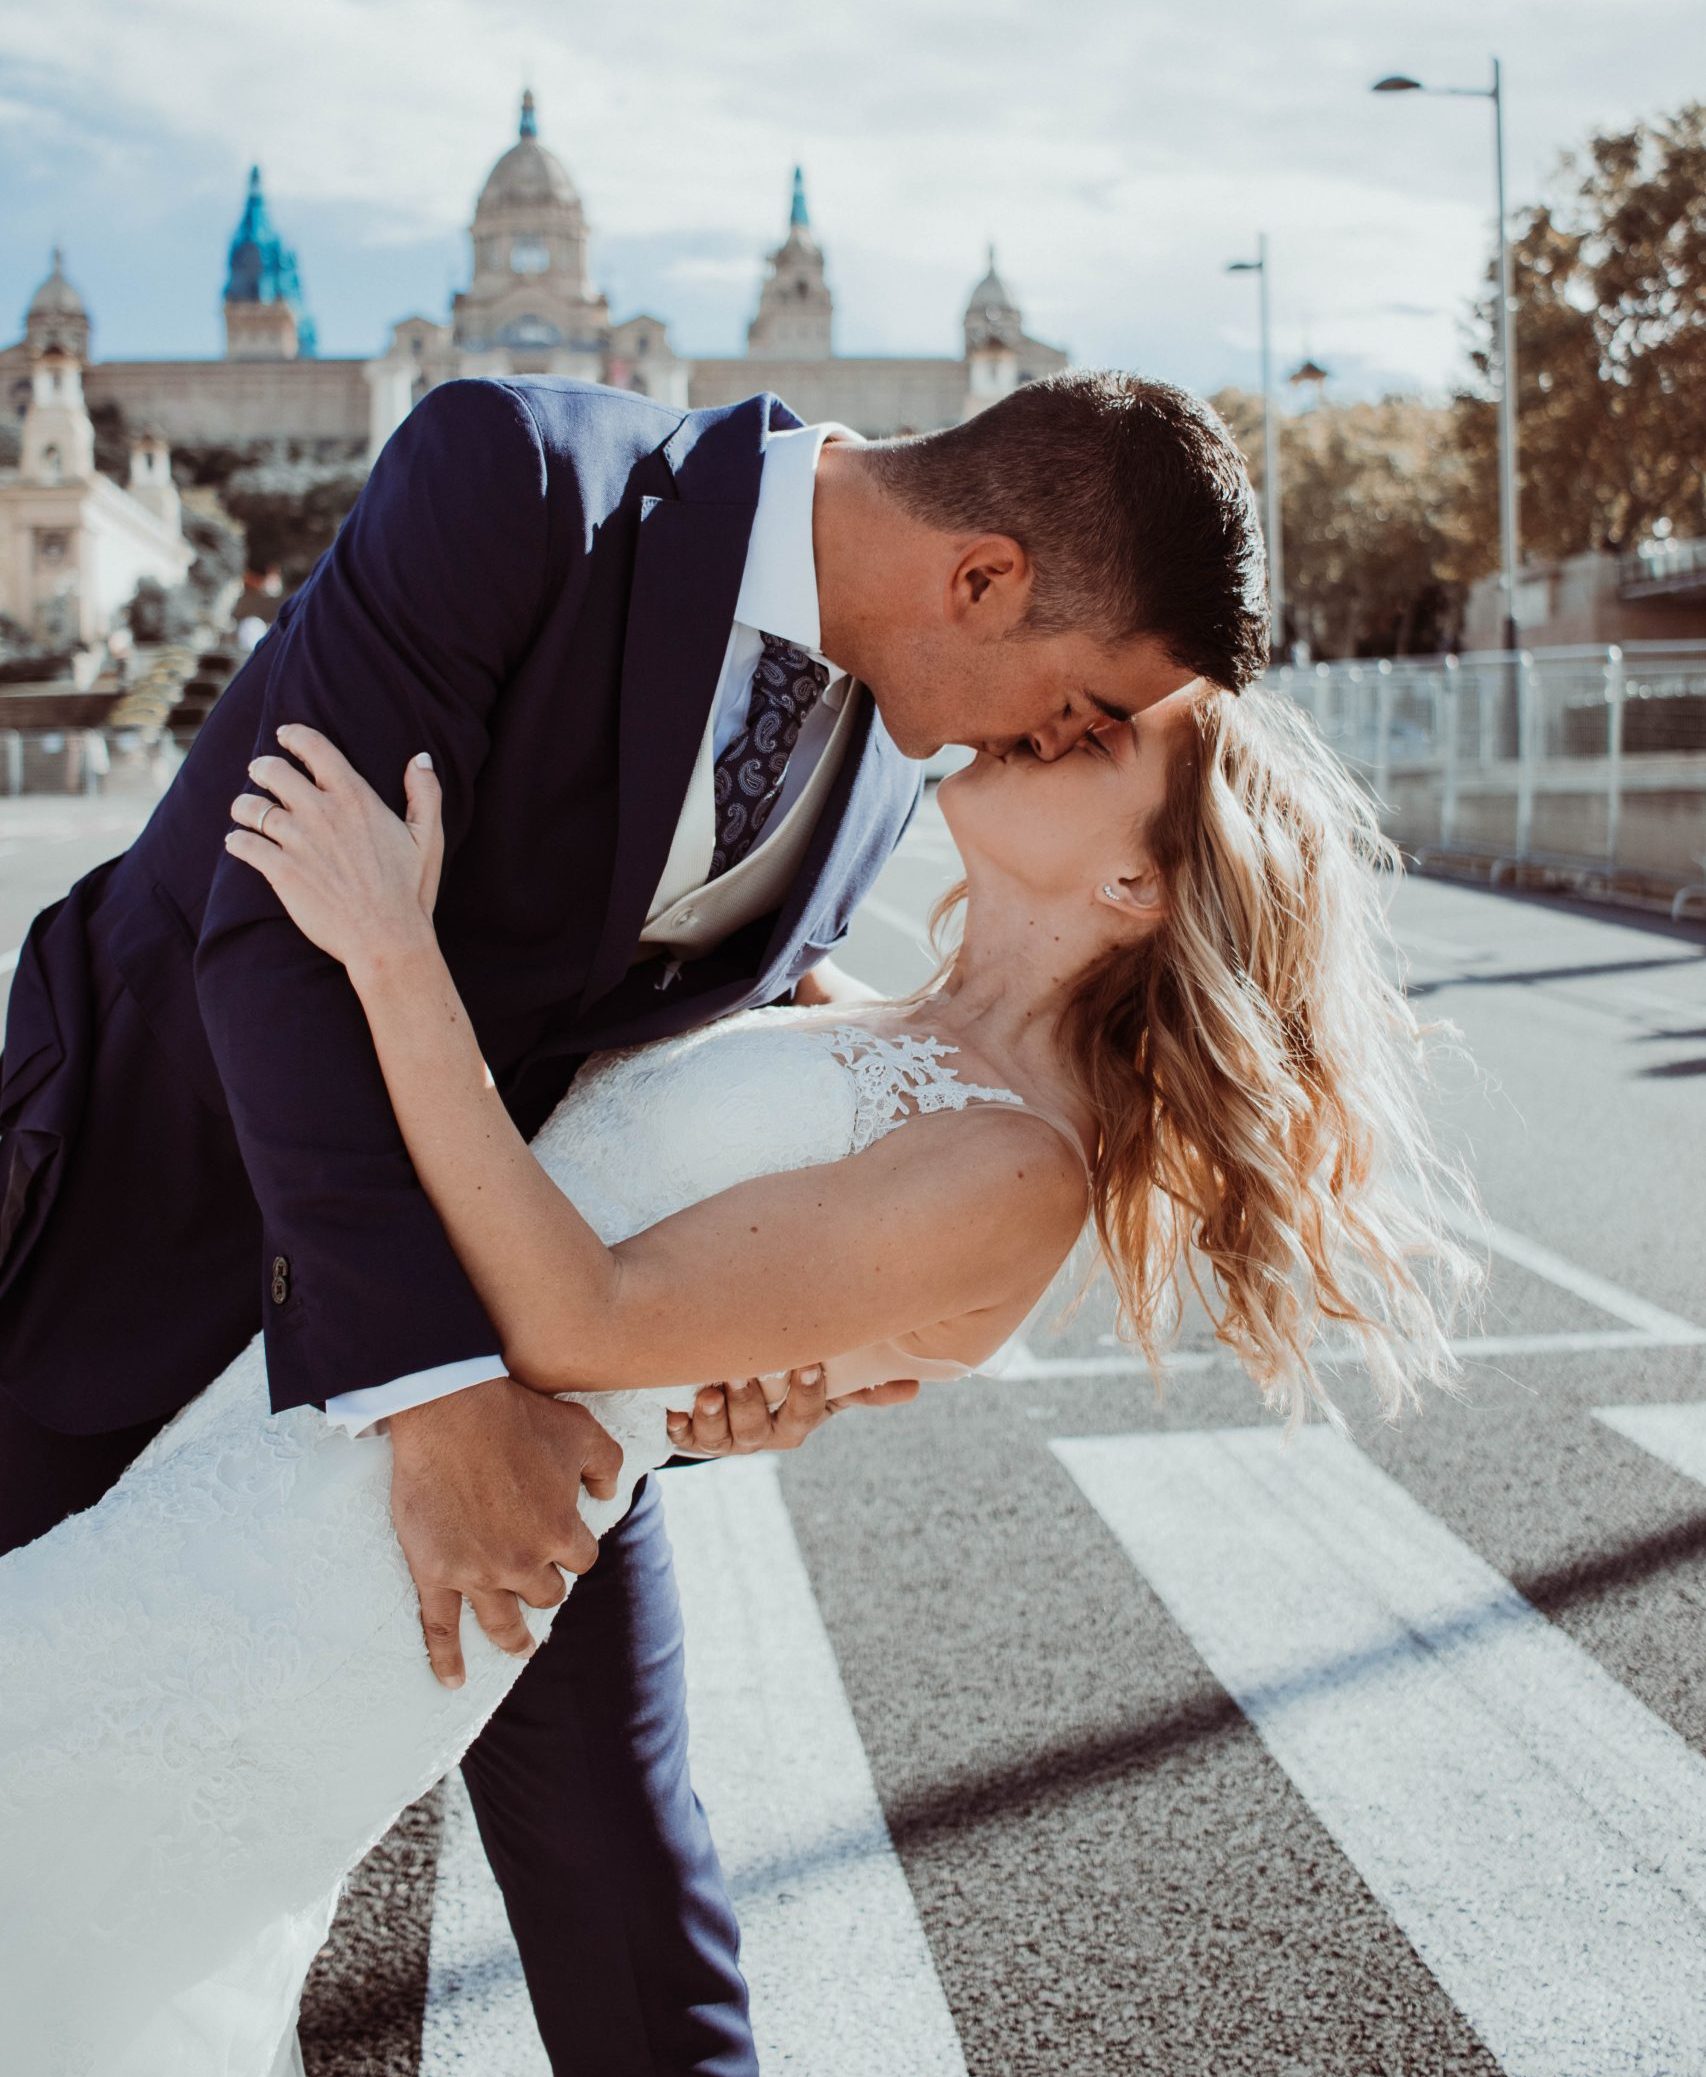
[{"x": 485, "y": 1488}]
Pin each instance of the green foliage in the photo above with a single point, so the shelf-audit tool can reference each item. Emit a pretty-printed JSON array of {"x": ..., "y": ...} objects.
[
  {"x": 1370, "y": 495},
  {"x": 1610, "y": 288},
  {"x": 218, "y": 543},
  {"x": 1391, "y": 509},
  {"x": 272, "y": 501},
  {"x": 158, "y": 615},
  {"x": 291, "y": 510}
]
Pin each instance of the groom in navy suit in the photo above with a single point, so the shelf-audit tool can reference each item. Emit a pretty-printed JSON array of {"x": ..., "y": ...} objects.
[{"x": 673, "y": 670}]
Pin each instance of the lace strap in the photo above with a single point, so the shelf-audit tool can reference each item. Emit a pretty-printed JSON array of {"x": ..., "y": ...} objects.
[{"x": 903, "y": 1077}]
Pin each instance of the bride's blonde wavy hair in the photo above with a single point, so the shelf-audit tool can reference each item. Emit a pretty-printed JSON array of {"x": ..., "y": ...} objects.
[{"x": 1257, "y": 1078}]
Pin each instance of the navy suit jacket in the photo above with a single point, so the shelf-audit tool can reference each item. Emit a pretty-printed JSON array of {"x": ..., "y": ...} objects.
[{"x": 536, "y": 584}]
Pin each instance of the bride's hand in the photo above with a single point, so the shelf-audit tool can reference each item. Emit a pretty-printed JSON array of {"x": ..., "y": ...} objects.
[
  {"x": 357, "y": 880},
  {"x": 736, "y": 1419}
]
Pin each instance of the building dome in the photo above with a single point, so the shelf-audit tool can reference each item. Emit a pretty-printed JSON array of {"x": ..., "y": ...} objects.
[
  {"x": 527, "y": 175},
  {"x": 991, "y": 291},
  {"x": 57, "y": 315},
  {"x": 56, "y": 297},
  {"x": 992, "y": 316},
  {"x": 531, "y": 295}
]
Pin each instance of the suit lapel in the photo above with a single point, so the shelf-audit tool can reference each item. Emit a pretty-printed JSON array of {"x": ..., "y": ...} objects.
[{"x": 687, "y": 572}]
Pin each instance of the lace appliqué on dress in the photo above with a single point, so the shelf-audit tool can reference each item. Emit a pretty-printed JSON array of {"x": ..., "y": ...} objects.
[{"x": 899, "y": 1078}]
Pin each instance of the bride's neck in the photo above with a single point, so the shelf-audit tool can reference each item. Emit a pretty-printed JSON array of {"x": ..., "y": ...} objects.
[{"x": 1010, "y": 980}]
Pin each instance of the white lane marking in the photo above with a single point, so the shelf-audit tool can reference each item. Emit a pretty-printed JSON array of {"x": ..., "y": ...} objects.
[
  {"x": 1590, "y": 1341},
  {"x": 1441, "y": 948},
  {"x": 843, "y": 1984},
  {"x": 1537, "y": 1834},
  {"x": 1674, "y": 1434},
  {"x": 1586, "y": 1341},
  {"x": 478, "y": 2015},
  {"x": 1654, "y": 1321}
]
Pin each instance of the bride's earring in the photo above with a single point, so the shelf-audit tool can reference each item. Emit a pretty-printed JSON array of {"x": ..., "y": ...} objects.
[{"x": 1110, "y": 890}]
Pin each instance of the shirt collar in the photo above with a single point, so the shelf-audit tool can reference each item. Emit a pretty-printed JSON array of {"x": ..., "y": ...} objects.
[{"x": 778, "y": 587}]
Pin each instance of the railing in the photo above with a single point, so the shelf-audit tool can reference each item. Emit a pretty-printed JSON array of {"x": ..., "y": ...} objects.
[
  {"x": 86, "y": 760},
  {"x": 1658, "y": 567},
  {"x": 1585, "y": 759}
]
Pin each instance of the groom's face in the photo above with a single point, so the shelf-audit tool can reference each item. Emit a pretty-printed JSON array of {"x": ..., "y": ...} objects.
[{"x": 948, "y": 685}]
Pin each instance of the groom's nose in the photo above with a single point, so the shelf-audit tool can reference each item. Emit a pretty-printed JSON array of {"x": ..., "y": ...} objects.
[{"x": 1059, "y": 735}]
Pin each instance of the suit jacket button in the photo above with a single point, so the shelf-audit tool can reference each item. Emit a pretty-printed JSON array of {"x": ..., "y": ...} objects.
[{"x": 280, "y": 1279}]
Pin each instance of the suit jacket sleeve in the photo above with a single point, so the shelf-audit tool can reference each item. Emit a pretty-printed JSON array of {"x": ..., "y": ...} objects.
[{"x": 400, "y": 640}]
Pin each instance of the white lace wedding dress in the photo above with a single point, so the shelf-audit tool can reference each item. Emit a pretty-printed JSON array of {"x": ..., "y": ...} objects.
[{"x": 213, "y": 1693}]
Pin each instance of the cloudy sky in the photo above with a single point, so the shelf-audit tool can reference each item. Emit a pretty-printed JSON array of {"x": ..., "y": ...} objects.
[{"x": 1118, "y": 152}]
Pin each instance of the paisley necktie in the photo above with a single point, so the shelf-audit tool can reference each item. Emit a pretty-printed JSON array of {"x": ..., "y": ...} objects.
[{"x": 786, "y": 685}]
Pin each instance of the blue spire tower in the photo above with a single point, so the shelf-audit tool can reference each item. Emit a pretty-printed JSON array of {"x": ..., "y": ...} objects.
[
  {"x": 264, "y": 315},
  {"x": 795, "y": 308}
]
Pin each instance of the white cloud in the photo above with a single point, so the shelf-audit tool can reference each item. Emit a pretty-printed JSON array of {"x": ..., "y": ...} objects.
[{"x": 1118, "y": 153}]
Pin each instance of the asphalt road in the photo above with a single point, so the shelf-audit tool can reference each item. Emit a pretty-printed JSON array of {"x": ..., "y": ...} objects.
[{"x": 1120, "y": 1740}]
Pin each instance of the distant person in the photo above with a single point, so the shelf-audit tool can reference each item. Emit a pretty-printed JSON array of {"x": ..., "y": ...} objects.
[{"x": 257, "y": 606}]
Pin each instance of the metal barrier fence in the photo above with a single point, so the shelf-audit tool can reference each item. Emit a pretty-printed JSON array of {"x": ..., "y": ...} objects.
[
  {"x": 1592, "y": 759},
  {"x": 86, "y": 760}
]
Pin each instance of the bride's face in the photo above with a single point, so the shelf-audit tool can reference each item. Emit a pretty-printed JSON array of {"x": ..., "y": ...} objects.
[{"x": 1072, "y": 826}]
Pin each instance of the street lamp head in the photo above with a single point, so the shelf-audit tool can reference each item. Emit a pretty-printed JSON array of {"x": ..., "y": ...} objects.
[
  {"x": 1243, "y": 266},
  {"x": 1396, "y": 83}
]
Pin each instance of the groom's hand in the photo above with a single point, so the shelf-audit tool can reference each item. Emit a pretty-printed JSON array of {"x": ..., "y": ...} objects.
[{"x": 484, "y": 1491}]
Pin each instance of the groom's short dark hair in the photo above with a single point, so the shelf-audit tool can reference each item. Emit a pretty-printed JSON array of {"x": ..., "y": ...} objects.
[{"x": 1130, "y": 497}]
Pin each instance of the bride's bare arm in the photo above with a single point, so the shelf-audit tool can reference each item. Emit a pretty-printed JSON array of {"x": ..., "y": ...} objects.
[{"x": 961, "y": 1218}]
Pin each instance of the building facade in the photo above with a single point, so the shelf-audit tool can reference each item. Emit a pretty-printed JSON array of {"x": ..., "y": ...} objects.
[
  {"x": 73, "y": 544},
  {"x": 531, "y": 307},
  {"x": 1656, "y": 594}
]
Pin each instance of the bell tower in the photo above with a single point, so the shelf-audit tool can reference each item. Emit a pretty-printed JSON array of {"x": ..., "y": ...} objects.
[{"x": 795, "y": 307}]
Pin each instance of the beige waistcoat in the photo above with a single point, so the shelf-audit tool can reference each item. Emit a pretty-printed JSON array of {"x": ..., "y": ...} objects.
[{"x": 692, "y": 912}]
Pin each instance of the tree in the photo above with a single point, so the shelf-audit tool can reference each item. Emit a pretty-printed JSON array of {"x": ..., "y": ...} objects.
[
  {"x": 1609, "y": 280},
  {"x": 1370, "y": 495},
  {"x": 291, "y": 510},
  {"x": 158, "y": 615}
]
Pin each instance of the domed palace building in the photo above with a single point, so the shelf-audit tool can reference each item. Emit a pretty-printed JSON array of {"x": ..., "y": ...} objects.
[{"x": 530, "y": 307}]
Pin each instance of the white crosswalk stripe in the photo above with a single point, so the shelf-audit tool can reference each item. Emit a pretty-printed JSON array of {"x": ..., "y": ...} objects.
[
  {"x": 478, "y": 2020},
  {"x": 1674, "y": 1434},
  {"x": 1536, "y": 1832},
  {"x": 826, "y": 1916},
  {"x": 843, "y": 1984}
]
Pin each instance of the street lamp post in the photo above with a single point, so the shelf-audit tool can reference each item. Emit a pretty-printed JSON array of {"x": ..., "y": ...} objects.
[
  {"x": 1270, "y": 454},
  {"x": 1505, "y": 332}
]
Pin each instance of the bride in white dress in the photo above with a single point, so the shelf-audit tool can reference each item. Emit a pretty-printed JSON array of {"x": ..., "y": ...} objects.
[{"x": 1169, "y": 1014}]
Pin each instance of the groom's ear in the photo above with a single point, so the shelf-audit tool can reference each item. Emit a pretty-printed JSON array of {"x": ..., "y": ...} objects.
[{"x": 989, "y": 585}]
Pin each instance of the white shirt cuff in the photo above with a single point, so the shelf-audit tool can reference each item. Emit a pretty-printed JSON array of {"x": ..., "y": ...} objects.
[{"x": 356, "y": 1412}]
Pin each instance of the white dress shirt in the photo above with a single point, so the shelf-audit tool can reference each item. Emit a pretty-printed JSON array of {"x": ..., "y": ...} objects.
[{"x": 778, "y": 596}]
